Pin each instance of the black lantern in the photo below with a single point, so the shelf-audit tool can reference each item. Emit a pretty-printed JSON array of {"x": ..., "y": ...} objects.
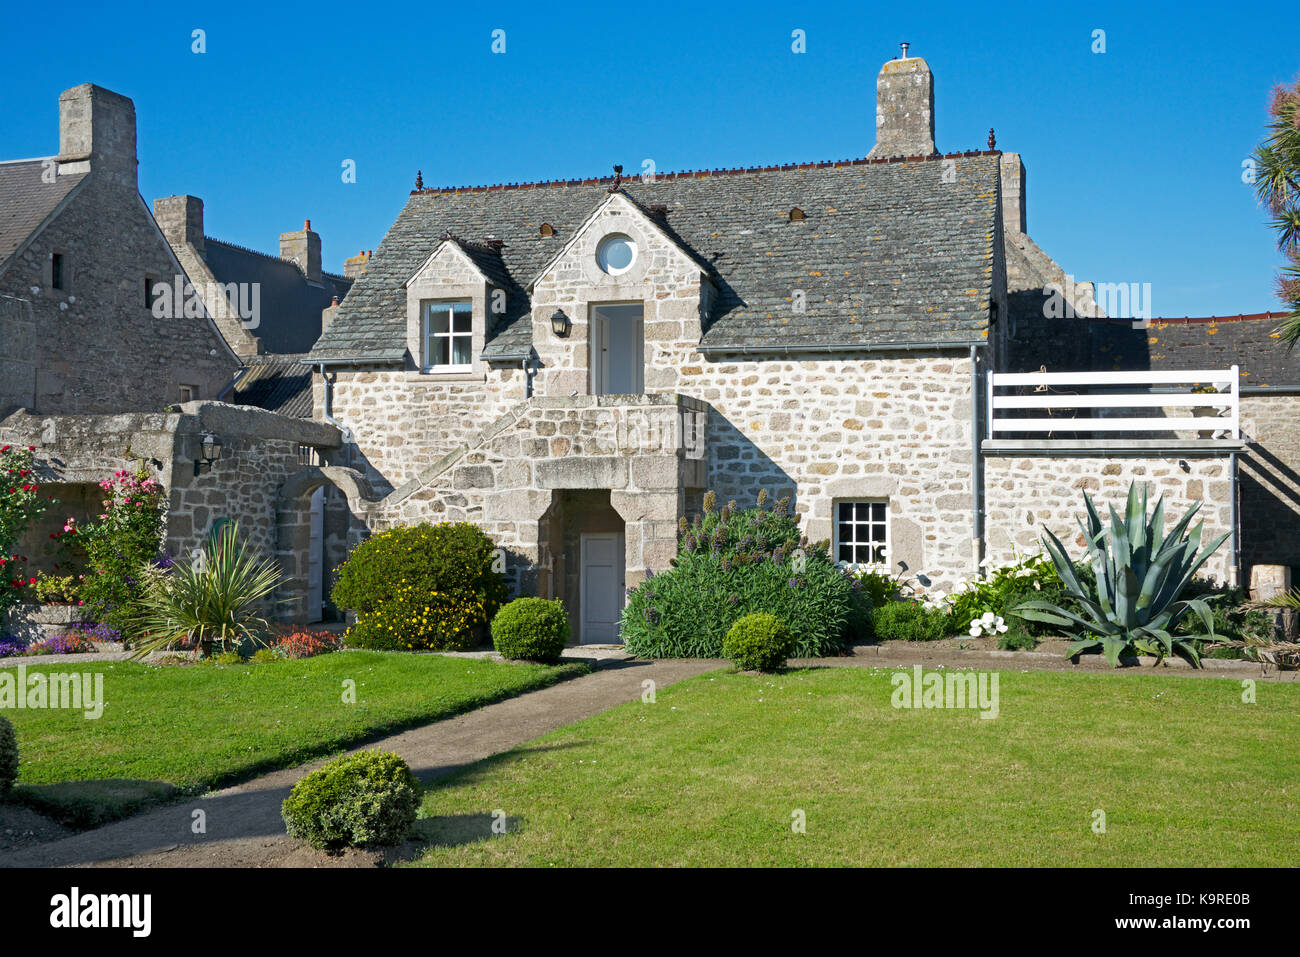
[
  {"x": 560, "y": 324},
  {"x": 210, "y": 451}
]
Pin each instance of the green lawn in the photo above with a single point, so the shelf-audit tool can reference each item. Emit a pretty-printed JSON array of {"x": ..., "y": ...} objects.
[
  {"x": 186, "y": 729},
  {"x": 711, "y": 774}
]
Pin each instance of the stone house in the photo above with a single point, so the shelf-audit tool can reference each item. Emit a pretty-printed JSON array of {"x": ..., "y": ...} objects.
[
  {"x": 98, "y": 377},
  {"x": 572, "y": 364}
]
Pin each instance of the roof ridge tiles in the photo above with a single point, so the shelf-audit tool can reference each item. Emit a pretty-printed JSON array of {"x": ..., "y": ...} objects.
[{"x": 699, "y": 173}]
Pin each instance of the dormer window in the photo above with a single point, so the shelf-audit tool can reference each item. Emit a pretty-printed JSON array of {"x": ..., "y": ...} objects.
[
  {"x": 448, "y": 336},
  {"x": 616, "y": 253}
]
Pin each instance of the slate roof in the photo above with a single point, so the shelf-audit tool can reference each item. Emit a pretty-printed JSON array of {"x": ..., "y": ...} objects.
[
  {"x": 889, "y": 252},
  {"x": 278, "y": 383},
  {"x": 1211, "y": 342},
  {"x": 26, "y": 202},
  {"x": 290, "y": 305}
]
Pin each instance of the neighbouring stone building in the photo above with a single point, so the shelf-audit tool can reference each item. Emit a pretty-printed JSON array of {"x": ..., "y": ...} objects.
[
  {"x": 79, "y": 253},
  {"x": 571, "y": 365},
  {"x": 115, "y": 346}
]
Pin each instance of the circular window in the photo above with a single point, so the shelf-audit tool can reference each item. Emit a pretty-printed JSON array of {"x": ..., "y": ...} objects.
[{"x": 616, "y": 253}]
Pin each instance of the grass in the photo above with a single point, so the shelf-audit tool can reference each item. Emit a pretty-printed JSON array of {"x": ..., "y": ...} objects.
[
  {"x": 173, "y": 730},
  {"x": 713, "y": 772}
]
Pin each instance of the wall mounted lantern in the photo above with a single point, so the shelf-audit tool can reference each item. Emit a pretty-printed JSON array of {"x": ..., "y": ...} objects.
[
  {"x": 560, "y": 324},
  {"x": 209, "y": 451}
]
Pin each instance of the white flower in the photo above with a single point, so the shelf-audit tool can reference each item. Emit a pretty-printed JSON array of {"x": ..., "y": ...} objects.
[{"x": 974, "y": 629}]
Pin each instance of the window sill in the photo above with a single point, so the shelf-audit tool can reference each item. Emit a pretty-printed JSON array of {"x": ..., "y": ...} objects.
[{"x": 445, "y": 375}]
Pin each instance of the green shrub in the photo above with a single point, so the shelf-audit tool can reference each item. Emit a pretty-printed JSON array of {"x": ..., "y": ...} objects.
[
  {"x": 730, "y": 564},
  {"x": 361, "y": 799},
  {"x": 758, "y": 642},
  {"x": 909, "y": 620},
  {"x": 1017, "y": 638},
  {"x": 421, "y": 587},
  {"x": 265, "y": 655},
  {"x": 533, "y": 629},
  {"x": 8, "y": 756},
  {"x": 228, "y": 658}
]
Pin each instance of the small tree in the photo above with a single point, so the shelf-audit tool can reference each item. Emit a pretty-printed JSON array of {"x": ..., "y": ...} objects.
[{"x": 1277, "y": 162}]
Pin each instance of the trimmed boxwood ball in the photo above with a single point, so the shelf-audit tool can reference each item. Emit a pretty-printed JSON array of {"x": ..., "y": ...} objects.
[
  {"x": 758, "y": 642},
  {"x": 421, "y": 587},
  {"x": 533, "y": 629},
  {"x": 367, "y": 798},
  {"x": 8, "y": 756}
]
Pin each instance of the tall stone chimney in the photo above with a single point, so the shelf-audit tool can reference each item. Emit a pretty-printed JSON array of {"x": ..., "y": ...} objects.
[
  {"x": 1013, "y": 192},
  {"x": 181, "y": 220},
  {"x": 904, "y": 108},
  {"x": 97, "y": 133},
  {"x": 303, "y": 248}
]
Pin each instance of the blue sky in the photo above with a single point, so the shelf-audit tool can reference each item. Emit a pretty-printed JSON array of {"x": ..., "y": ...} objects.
[{"x": 1133, "y": 155}]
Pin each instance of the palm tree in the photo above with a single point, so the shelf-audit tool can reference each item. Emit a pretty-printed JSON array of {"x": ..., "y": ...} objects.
[{"x": 1277, "y": 182}]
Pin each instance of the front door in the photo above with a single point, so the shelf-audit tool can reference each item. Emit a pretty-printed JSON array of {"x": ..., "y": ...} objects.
[
  {"x": 601, "y": 596},
  {"x": 618, "y": 349}
]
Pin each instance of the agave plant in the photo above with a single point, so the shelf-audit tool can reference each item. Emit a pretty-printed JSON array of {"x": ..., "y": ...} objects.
[
  {"x": 1140, "y": 573},
  {"x": 212, "y": 601}
]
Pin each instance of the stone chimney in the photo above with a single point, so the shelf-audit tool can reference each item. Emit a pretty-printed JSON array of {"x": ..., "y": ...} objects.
[
  {"x": 1013, "y": 192},
  {"x": 303, "y": 248},
  {"x": 97, "y": 133},
  {"x": 181, "y": 220},
  {"x": 354, "y": 266},
  {"x": 904, "y": 108}
]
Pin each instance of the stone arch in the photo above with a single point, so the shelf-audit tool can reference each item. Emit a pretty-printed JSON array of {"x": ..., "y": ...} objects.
[{"x": 293, "y": 528}]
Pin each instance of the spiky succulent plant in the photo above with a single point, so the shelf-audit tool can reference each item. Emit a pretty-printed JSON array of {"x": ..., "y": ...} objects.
[{"x": 1140, "y": 572}]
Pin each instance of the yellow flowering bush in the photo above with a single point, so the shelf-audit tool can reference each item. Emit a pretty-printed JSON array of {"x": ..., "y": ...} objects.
[{"x": 421, "y": 587}]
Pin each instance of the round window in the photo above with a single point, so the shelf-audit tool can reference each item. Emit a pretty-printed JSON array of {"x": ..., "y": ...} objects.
[{"x": 616, "y": 253}]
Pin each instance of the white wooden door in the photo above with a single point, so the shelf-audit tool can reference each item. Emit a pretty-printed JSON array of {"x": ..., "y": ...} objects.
[
  {"x": 316, "y": 556},
  {"x": 602, "y": 588},
  {"x": 618, "y": 343}
]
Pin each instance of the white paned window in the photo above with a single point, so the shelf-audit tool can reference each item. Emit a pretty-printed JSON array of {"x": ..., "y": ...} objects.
[
  {"x": 862, "y": 533},
  {"x": 448, "y": 336}
]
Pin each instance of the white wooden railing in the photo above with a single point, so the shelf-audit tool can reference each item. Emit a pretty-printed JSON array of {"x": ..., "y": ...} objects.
[{"x": 1079, "y": 402}]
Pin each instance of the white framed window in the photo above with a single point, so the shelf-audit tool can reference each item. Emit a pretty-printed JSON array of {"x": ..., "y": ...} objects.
[
  {"x": 616, "y": 253},
  {"x": 862, "y": 533},
  {"x": 448, "y": 336}
]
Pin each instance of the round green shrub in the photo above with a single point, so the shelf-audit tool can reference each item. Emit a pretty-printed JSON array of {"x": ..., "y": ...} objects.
[
  {"x": 909, "y": 621},
  {"x": 265, "y": 655},
  {"x": 533, "y": 629},
  {"x": 367, "y": 798},
  {"x": 8, "y": 756},
  {"x": 758, "y": 642},
  {"x": 421, "y": 587}
]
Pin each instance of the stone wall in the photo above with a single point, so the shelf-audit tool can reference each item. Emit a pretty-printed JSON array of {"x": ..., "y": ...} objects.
[
  {"x": 1270, "y": 480},
  {"x": 261, "y": 451},
  {"x": 1026, "y": 492}
]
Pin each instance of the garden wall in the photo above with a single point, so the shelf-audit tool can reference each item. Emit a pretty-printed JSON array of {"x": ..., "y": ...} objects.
[
  {"x": 1270, "y": 480},
  {"x": 1024, "y": 493},
  {"x": 260, "y": 450}
]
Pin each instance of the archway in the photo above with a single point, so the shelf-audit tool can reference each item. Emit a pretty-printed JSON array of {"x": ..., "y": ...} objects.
[{"x": 345, "y": 498}]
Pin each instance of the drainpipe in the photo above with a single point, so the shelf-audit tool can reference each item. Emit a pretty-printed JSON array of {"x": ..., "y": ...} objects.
[
  {"x": 221, "y": 396},
  {"x": 329, "y": 417},
  {"x": 1234, "y": 573},
  {"x": 976, "y": 471}
]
